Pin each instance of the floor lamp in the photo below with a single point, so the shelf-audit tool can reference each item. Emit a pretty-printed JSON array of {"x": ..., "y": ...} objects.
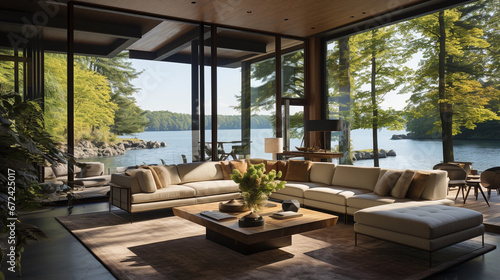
[
  {"x": 274, "y": 146},
  {"x": 323, "y": 126}
]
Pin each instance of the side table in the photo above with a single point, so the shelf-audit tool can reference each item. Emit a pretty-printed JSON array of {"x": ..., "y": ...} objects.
[{"x": 476, "y": 183}]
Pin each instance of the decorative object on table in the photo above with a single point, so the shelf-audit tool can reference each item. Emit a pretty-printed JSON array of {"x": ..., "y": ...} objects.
[
  {"x": 274, "y": 146},
  {"x": 256, "y": 186},
  {"x": 233, "y": 205},
  {"x": 290, "y": 205},
  {"x": 282, "y": 215},
  {"x": 216, "y": 215},
  {"x": 323, "y": 126}
]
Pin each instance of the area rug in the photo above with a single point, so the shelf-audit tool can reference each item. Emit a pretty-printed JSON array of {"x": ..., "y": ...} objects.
[{"x": 169, "y": 247}]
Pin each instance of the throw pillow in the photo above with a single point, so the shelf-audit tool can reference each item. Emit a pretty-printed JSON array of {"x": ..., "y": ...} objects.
[
  {"x": 283, "y": 167},
  {"x": 417, "y": 185},
  {"x": 403, "y": 183},
  {"x": 226, "y": 170},
  {"x": 158, "y": 182},
  {"x": 272, "y": 165},
  {"x": 298, "y": 170},
  {"x": 255, "y": 161},
  {"x": 386, "y": 182},
  {"x": 146, "y": 180},
  {"x": 241, "y": 165},
  {"x": 162, "y": 174}
]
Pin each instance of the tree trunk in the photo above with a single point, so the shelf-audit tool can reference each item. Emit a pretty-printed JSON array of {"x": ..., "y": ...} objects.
[
  {"x": 345, "y": 101},
  {"x": 374, "y": 107},
  {"x": 445, "y": 108}
]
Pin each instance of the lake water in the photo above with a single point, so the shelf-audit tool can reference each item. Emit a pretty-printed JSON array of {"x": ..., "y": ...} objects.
[{"x": 411, "y": 154}]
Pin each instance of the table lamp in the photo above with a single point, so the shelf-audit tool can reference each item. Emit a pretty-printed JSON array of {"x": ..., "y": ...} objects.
[
  {"x": 324, "y": 126},
  {"x": 273, "y": 145}
]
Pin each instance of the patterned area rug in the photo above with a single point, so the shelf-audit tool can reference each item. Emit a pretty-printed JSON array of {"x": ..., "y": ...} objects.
[{"x": 162, "y": 246}]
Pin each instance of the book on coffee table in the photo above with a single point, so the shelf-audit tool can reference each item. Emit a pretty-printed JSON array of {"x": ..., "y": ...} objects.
[
  {"x": 285, "y": 215},
  {"x": 216, "y": 215}
]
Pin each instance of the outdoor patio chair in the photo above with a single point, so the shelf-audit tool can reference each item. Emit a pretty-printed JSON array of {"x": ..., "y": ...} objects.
[
  {"x": 490, "y": 179},
  {"x": 457, "y": 176}
]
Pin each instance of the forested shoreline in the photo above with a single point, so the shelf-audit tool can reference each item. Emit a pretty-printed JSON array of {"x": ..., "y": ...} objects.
[{"x": 166, "y": 120}]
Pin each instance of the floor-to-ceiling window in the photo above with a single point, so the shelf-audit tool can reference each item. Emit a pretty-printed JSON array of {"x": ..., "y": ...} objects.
[{"x": 418, "y": 78}]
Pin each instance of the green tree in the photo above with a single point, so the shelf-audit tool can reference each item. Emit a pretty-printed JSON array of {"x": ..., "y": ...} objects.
[
  {"x": 128, "y": 117},
  {"x": 94, "y": 111},
  {"x": 379, "y": 60},
  {"x": 450, "y": 84}
]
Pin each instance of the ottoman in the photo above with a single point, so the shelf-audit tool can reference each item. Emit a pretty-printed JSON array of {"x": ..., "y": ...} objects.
[{"x": 423, "y": 226}]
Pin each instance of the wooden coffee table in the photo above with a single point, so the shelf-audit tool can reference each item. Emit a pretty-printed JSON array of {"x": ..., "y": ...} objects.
[{"x": 274, "y": 234}]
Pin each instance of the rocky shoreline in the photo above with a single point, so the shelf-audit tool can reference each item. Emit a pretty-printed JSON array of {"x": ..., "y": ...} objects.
[
  {"x": 90, "y": 149},
  {"x": 360, "y": 155}
]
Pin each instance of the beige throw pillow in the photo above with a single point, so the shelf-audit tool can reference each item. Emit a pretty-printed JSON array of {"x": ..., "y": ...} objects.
[
  {"x": 240, "y": 164},
  {"x": 386, "y": 183},
  {"x": 162, "y": 176},
  {"x": 403, "y": 183},
  {"x": 146, "y": 180},
  {"x": 226, "y": 170},
  {"x": 417, "y": 185}
]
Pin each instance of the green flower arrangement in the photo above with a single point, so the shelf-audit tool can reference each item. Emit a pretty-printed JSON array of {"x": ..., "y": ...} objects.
[{"x": 256, "y": 186}]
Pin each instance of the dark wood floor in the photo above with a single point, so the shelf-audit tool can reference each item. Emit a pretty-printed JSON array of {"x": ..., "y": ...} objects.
[{"x": 62, "y": 256}]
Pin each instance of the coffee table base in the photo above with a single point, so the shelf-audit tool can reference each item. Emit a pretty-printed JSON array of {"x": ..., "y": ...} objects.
[{"x": 248, "y": 249}]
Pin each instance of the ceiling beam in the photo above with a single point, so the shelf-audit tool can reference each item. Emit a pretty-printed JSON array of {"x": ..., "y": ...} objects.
[
  {"x": 181, "y": 43},
  {"x": 238, "y": 44},
  {"x": 92, "y": 27}
]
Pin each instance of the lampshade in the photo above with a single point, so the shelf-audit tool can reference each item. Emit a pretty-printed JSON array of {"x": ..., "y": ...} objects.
[
  {"x": 323, "y": 125},
  {"x": 273, "y": 145}
]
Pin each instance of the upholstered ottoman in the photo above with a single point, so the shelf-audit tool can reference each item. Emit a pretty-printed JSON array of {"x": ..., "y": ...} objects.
[{"x": 419, "y": 225}]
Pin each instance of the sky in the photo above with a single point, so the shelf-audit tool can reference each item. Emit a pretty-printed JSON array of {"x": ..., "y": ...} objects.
[{"x": 166, "y": 86}]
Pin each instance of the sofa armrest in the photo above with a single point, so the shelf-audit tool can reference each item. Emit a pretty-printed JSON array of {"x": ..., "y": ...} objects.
[{"x": 120, "y": 196}]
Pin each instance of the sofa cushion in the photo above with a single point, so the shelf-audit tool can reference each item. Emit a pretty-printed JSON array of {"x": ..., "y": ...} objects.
[
  {"x": 241, "y": 165},
  {"x": 294, "y": 189},
  {"x": 144, "y": 178},
  {"x": 283, "y": 167},
  {"x": 403, "y": 183},
  {"x": 336, "y": 195},
  {"x": 321, "y": 172},
  {"x": 386, "y": 183},
  {"x": 370, "y": 199},
  {"x": 61, "y": 169},
  {"x": 417, "y": 185},
  {"x": 273, "y": 165},
  {"x": 124, "y": 180},
  {"x": 298, "y": 170},
  {"x": 355, "y": 176},
  {"x": 168, "y": 193},
  {"x": 226, "y": 170},
  {"x": 93, "y": 169},
  {"x": 156, "y": 177},
  {"x": 167, "y": 175},
  {"x": 200, "y": 171},
  {"x": 206, "y": 188},
  {"x": 256, "y": 161},
  {"x": 437, "y": 185},
  {"x": 416, "y": 219}
]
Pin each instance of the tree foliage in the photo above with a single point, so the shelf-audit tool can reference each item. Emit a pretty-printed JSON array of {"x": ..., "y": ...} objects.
[{"x": 470, "y": 87}]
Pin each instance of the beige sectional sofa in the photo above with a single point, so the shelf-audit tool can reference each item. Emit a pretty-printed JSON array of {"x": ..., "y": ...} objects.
[
  {"x": 339, "y": 188},
  {"x": 346, "y": 189}
]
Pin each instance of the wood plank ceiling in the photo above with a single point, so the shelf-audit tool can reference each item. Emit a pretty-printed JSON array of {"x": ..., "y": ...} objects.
[{"x": 164, "y": 29}]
